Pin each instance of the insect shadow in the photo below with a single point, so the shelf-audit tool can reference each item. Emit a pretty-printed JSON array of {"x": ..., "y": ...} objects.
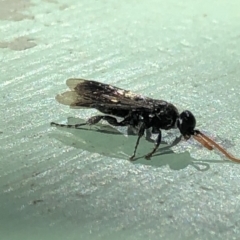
[{"x": 118, "y": 145}]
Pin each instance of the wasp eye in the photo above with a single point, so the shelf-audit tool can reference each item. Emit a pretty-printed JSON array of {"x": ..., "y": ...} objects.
[{"x": 186, "y": 123}]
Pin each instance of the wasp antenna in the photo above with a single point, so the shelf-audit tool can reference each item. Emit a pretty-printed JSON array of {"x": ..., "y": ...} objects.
[
  {"x": 203, "y": 142},
  {"x": 209, "y": 142}
]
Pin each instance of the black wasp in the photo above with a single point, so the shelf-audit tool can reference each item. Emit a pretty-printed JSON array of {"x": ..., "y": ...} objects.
[{"x": 136, "y": 110}]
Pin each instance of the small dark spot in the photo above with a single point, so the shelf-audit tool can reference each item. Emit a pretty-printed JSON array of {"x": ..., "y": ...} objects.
[
  {"x": 34, "y": 202},
  {"x": 35, "y": 174},
  {"x": 206, "y": 188},
  {"x": 80, "y": 195}
]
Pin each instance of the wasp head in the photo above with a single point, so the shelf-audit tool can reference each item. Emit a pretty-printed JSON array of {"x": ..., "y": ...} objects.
[{"x": 186, "y": 124}]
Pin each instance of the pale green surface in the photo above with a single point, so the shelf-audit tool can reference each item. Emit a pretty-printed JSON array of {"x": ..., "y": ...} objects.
[{"x": 185, "y": 52}]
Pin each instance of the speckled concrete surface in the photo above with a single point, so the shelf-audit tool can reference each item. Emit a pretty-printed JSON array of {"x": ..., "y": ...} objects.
[{"x": 66, "y": 184}]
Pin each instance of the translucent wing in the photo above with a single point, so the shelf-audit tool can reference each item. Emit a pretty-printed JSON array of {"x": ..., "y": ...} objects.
[{"x": 93, "y": 94}]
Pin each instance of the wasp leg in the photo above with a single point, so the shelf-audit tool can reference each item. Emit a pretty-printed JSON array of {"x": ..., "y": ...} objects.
[
  {"x": 113, "y": 121},
  {"x": 94, "y": 120},
  {"x": 67, "y": 125},
  {"x": 140, "y": 134},
  {"x": 158, "y": 141},
  {"x": 90, "y": 121}
]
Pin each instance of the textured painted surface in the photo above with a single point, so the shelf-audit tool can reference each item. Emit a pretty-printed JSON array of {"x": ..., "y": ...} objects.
[
  {"x": 67, "y": 184},
  {"x": 13, "y": 10}
]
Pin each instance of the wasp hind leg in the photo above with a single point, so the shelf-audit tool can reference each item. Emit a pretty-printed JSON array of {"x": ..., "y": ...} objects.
[{"x": 94, "y": 120}]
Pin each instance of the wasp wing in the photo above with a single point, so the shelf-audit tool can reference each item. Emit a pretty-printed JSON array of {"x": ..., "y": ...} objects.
[{"x": 93, "y": 94}]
